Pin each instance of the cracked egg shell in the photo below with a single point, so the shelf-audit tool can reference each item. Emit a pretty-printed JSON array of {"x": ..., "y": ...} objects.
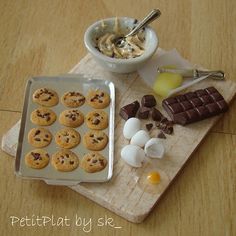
[
  {"x": 133, "y": 155},
  {"x": 154, "y": 148}
]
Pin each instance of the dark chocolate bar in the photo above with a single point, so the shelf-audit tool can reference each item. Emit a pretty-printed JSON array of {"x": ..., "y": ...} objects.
[{"x": 195, "y": 106}]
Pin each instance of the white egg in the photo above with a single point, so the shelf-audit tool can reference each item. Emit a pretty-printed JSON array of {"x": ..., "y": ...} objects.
[
  {"x": 140, "y": 138},
  {"x": 133, "y": 155},
  {"x": 132, "y": 125},
  {"x": 154, "y": 148}
]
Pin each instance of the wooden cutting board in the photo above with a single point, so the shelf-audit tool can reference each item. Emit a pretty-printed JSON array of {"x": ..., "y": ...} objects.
[{"x": 127, "y": 193}]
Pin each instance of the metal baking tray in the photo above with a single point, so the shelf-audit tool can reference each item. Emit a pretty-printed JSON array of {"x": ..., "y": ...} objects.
[{"x": 61, "y": 84}]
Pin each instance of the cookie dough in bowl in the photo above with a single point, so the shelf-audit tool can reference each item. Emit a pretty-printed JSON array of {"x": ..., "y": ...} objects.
[{"x": 139, "y": 49}]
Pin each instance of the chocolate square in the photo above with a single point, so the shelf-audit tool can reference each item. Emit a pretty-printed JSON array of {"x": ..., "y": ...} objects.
[
  {"x": 196, "y": 102},
  {"x": 170, "y": 100},
  {"x": 216, "y": 96},
  {"x": 180, "y": 98},
  {"x": 192, "y": 114},
  {"x": 176, "y": 108},
  {"x": 181, "y": 118},
  {"x": 223, "y": 105},
  {"x": 190, "y": 95},
  {"x": 211, "y": 90},
  {"x": 200, "y": 92},
  {"x": 213, "y": 108},
  {"x": 148, "y": 101},
  {"x": 203, "y": 111},
  {"x": 206, "y": 99},
  {"x": 186, "y": 105}
]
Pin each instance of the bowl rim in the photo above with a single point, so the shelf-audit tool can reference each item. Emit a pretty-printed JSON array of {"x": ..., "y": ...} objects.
[{"x": 103, "y": 57}]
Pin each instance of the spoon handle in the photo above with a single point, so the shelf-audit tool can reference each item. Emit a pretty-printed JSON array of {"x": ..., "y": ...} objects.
[{"x": 155, "y": 13}]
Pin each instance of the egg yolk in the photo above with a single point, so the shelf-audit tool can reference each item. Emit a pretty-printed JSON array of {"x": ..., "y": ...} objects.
[{"x": 154, "y": 177}]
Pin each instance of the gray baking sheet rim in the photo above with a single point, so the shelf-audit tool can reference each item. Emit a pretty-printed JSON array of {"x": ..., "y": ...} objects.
[{"x": 62, "y": 84}]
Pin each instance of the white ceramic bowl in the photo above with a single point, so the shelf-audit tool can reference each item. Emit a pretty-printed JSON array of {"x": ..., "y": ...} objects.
[{"x": 114, "y": 64}]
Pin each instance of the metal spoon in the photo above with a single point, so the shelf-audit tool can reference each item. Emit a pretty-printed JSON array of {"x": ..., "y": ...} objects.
[{"x": 155, "y": 13}]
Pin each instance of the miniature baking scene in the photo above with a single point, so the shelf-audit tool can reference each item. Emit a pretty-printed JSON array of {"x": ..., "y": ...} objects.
[{"x": 120, "y": 127}]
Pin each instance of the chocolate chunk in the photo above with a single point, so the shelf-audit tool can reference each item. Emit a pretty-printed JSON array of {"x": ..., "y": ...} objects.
[
  {"x": 148, "y": 101},
  {"x": 37, "y": 132},
  {"x": 129, "y": 110},
  {"x": 37, "y": 139},
  {"x": 35, "y": 155},
  {"x": 143, "y": 112},
  {"x": 96, "y": 122},
  {"x": 161, "y": 135},
  {"x": 166, "y": 126},
  {"x": 156, "y": 115},
  {"x": 95, "y": 141},
  {"x": 199, "y": 105},
  {"x": 149, "y": 126}
]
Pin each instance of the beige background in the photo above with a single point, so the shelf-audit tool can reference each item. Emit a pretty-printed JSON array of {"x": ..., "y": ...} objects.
[{"x": 46, "y": 38}]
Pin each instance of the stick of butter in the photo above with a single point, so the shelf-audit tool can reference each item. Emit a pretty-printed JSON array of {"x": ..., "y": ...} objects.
[{"x": 165, "y": 82}]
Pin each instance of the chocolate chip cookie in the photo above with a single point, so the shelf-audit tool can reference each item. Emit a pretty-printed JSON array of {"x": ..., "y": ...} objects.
[
  {"x": 67, "y": 138},
  {"x": 95, "y": 140},
  {"x": 98, "y": 99},
  {"x": 39, "y": 137},
  {"x": 97, "y": 120},
  {"x": 65, "y": 160},
  {"x": 45, "y": 97},
  {"x": 71, "y": 118},
  {"x": 37, "y": 159},
  {"x": 43, "y": 116},
  {"x": 73, "y": 99},
  {"x": 93, "y": 162}
]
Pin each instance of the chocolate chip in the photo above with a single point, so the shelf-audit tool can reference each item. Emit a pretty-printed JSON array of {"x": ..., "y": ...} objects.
[
  {"x": 94, "y": 161},
  {"x": 45, "y": 140},
  {"x": 72, "y": 162},
  {"x": 37, "y": 132},
  {"x": 149, "y": 126},
  {"x": 156, "y": 115},
  {"x": 37, "y": 139},
  {"x": 73, "y": 118},
  {"x": 100, "y": 138},
  {"x": 96, "y": 122},
  {"x": 161, "y": 135},
  {"x": 95, "y": 141},
  {"x": 46, "y": 135},
  {"x": 35, "y": 155}
]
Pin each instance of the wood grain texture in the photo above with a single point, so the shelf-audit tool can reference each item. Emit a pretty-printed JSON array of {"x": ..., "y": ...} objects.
[
  {"x": 45, "y": 38},
  {"x": 128, "y": 193}
]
